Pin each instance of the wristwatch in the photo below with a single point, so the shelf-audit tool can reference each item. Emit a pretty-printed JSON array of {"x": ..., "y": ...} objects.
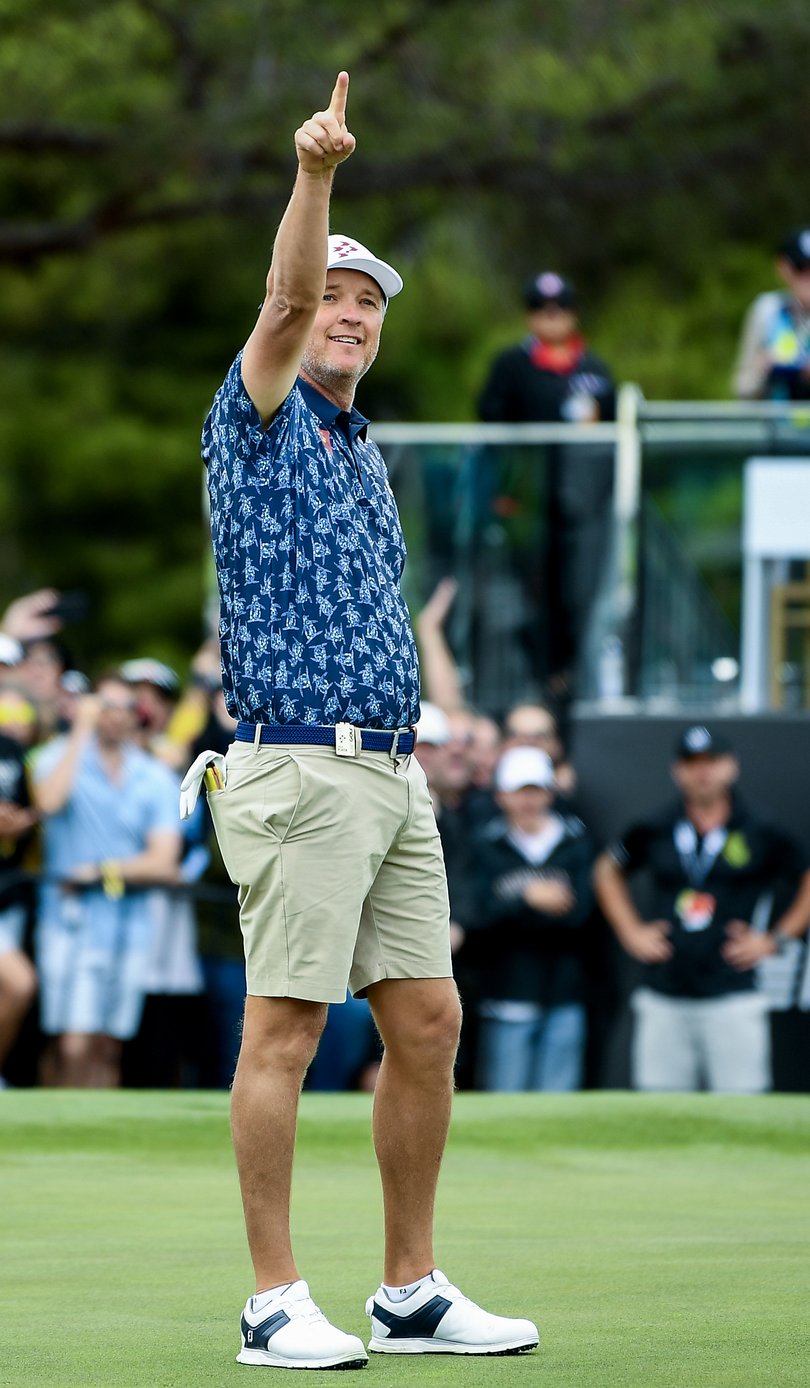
[{"x": 781, "y": 941}]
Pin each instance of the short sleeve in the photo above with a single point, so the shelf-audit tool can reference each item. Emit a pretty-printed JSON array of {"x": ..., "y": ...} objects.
[
  {"x": 164, "y": 801},
  {"x": 788, "y": 857},
  {"x": 630, "y": 851}
]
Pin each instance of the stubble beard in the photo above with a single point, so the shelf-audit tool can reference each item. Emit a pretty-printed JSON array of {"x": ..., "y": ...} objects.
[{"x": 333, "y": 377}]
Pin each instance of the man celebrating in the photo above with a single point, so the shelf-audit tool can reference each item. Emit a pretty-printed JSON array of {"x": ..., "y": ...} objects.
[{"x": 322, "y": 814}]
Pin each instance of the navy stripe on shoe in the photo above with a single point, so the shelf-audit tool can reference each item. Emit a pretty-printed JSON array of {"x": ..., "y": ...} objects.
[
  {"x": 419, "y": 1325},
  {"x": 257, "y": 1336}
]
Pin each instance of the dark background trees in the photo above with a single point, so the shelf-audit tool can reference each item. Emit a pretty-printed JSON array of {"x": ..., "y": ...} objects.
[{"x": 654, "y": 152}]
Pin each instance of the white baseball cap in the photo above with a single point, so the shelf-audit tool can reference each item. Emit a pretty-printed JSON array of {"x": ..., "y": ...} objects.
[
  {"x": 145, "y": 670},
  {"x": 433, "y": 727},
  {"x": 11, "y": 652},
  {"x": 350, "y": 255},
  {"x": 524, "y": 766}
]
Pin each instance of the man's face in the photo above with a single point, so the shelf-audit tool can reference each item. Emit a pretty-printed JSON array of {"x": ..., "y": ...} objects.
[
  {"x": 346, "y": 333},
  {"x": 525, "y": 807},
  {"x": 116, "y": 716},
  {"x": 552, "y": 324},
  {"x": 531, "y": 725},
  {"x": 797, "y": 281},
  {"x": 41, "y": 670},
  {"x": 153, "y": 708},
  {"x": 704, "y": 779}
]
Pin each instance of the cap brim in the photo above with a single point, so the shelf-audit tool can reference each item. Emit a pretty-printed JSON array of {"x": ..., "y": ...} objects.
[{"x": 386, "y": 276}]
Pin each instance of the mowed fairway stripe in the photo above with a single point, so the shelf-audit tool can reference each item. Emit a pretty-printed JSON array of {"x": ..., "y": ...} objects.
[{"x": 658, "y": 1241}]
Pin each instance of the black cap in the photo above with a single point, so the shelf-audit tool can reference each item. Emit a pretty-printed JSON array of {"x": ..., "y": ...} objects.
[
  {"x": 796, "y": 248},
  {"x": 698, "y": 741},
  {"x": 549, "y": 288}
]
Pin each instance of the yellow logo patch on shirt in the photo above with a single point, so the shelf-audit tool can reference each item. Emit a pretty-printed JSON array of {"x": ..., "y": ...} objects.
[{"x": 736, "y": 852}]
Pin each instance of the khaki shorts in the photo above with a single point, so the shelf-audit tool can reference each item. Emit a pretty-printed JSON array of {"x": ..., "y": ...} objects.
[{"x": 339, "y": 867}]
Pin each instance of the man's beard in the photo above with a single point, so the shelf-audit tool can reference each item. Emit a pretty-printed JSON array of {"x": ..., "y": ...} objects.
[{"x": 328, "y": 374}]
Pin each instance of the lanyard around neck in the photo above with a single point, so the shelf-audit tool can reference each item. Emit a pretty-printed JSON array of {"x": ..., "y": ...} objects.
[{"x": 696, "y": 862}]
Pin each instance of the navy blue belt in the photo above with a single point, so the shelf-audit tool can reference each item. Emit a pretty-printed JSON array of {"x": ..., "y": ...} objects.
[{"x": 346, "y": 739}]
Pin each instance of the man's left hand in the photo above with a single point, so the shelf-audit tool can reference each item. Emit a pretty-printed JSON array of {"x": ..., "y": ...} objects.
[{"x": 744, "y": 947}]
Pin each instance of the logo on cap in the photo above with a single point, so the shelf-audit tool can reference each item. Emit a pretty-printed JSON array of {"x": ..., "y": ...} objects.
[
  {"x": 344, "y": 248},
  {"x": 549, "y": 284},
  {"x": 697, "y": 739}
]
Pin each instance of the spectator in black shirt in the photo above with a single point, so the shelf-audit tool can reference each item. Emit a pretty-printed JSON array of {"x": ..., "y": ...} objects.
[
  {"x": 553, "y": 377},
  {"x": 531, "y": 898},
  {"x": 699, "y": 1022}
]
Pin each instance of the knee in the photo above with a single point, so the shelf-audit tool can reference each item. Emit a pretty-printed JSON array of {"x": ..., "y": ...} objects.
[
  {"x": 74, "y": 1047},
  {"x": 432, "y": 1034},
  {"x": 282, "y": 1033},
  {"x": 18, "y": 981}
]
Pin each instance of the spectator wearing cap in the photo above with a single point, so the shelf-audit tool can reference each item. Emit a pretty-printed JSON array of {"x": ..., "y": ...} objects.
[
  {"x": 156, "y": 687},
  {"x": 773, "y": 359},
  {"x": 525, "y": 919},
  {"x": 699, "y": 1022},
  {"x": 552, "y": 376},
  {"x": 11, "y": 654}
]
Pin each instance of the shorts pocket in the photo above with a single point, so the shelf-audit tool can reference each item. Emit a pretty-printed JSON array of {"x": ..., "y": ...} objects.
[{"x": 283, "y": 788}]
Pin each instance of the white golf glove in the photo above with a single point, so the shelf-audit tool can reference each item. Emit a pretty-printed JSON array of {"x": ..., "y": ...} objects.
[{"x": 193, "y": 779}]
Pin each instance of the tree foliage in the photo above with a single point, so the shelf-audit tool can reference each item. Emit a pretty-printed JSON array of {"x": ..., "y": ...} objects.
[{"x": 653, "y": 152}]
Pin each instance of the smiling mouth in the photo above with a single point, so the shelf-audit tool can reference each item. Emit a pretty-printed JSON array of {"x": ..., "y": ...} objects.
[{"x": 348, "y": 341}]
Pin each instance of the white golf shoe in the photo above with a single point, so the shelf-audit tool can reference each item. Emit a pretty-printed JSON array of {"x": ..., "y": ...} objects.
[
  {"x": 439, "y": 1319},
  {"x": 290, "y": 1332}
]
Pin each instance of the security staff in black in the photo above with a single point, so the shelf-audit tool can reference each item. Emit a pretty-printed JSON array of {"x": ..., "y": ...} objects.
[{"x": 715, "y": 866}]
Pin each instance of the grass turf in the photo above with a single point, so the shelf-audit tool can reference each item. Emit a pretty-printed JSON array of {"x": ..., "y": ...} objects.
[{"x": 659, "y": 1241}]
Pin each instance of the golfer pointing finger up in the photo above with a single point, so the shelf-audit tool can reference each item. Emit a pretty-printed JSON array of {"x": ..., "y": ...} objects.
[{"x": 323, "y": 816}]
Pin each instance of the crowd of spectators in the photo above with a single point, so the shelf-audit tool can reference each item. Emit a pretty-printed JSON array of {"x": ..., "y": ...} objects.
[{"x": 120, "y": 952}]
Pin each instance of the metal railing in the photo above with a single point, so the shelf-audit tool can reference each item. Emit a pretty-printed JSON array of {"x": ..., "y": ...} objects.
[{"x": 660, "y": 564}]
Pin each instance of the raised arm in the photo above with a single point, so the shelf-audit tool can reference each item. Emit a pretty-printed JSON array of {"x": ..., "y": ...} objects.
[{"x": 295, "y": 282}]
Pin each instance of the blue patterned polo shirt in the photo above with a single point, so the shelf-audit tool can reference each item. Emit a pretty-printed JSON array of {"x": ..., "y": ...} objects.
[{"x": 309, "y": 555}]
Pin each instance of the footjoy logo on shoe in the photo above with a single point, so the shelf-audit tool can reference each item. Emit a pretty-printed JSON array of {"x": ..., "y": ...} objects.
[{"x": 249, "y": 1337}]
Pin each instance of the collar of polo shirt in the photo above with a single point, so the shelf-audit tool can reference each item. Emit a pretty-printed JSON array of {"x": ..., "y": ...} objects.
[{"x": 329, "y": 412}]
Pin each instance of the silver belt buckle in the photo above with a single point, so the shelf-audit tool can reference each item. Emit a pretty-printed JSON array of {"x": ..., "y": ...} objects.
[
  {"x": 347, "y": 739},
  {"x": 394, "y": 744}
]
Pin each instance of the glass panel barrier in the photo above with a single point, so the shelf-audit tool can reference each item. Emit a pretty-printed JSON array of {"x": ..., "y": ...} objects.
[{"x": 599, "y": 562}]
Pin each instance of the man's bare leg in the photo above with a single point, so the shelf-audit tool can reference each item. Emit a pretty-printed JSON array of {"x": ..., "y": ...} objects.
[
  {"x": 279, "y": 1040},
  {"x": 18, "y": 985},
  {"x": 419, "y": 1021}
]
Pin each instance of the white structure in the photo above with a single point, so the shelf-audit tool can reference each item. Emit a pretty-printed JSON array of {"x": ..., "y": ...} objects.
[{"x": 776, "y": 529}]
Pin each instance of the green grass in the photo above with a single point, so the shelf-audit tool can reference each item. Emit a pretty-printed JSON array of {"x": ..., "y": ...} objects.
[{"x": 659, "y": 1241}]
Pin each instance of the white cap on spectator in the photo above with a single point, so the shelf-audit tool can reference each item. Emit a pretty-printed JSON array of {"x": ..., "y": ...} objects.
[
  {"x": 148, "y": 671},
  {"x": 433, "y": 726},
  {"x": 11, "y": 652},
  {"x": 524, "y": 766}
]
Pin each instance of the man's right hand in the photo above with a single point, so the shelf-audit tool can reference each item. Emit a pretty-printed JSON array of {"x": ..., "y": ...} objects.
[
  {"x": 15, "y": 820},
  {"x": 323, "y": 141},
  {"x": 550, "y": 895},
  {"x": 649, "y": 942},
  {"x": 86, "y": 713}
]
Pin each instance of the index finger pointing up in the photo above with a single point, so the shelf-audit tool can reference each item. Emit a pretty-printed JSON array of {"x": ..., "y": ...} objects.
[{"x": 337, "y": 105}]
